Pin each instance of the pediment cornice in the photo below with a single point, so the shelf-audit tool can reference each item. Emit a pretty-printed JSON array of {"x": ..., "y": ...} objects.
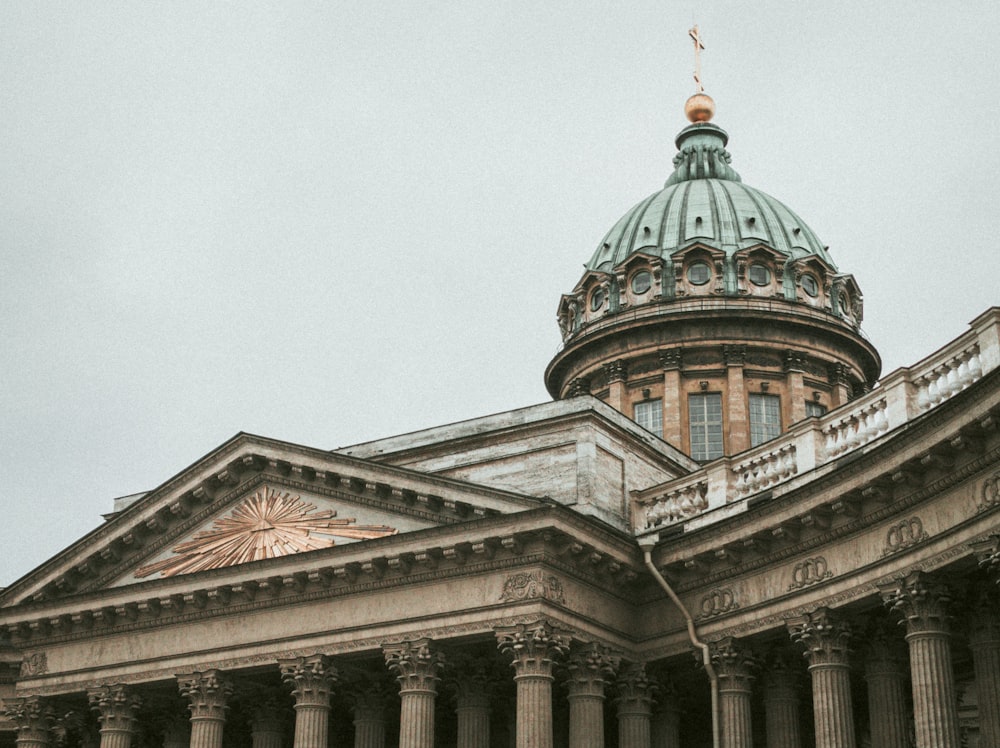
[{"x": 238, "y": 466}]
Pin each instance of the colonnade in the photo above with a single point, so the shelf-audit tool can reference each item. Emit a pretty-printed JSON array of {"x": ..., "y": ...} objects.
[{"x": 915, "y": 657}]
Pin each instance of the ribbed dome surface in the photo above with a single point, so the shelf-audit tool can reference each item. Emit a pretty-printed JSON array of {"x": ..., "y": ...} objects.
[{"x": 704, "y": 201}]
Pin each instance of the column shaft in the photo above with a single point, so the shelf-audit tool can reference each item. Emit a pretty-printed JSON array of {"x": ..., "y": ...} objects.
[
  {"x": 781, "y": 711},
  {"x": 735, "y": 666},
  {"x": 666, "y": 729},
  {"x": 887, "y": 708},
  {"x": 473, "y": 712},
  {"x": 312, "y": 726},
  {"x": 984, "y": 641},
  {"x": 673, "y": 430},
  {"x": 533, "y": 647},
  {"x": 923, "y": 600},
  {"x": 635, "y": 707},
  {"x": 586, "y": 721},
  {"x": 831, "y": 686},
  {"x": 935, "y": 703}
]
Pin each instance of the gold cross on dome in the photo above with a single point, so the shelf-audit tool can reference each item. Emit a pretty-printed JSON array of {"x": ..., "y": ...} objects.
[{"x": 698, "y": 46}]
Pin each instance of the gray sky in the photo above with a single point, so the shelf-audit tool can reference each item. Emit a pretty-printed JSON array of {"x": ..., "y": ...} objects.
[{"x": 331, "y": 222}]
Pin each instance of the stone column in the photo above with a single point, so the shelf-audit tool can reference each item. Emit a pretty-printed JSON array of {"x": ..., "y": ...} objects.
[
  {"x": 735, "y": 666},
  {"x": 207, "y": 694},
  {"x": 116, "y": 708},
  {"x": 635, "y": 707},
  {"x": 416, "y": 667},
  {"x": 885, "y": 673},
  {"x": 826, "y": 639},
  {"x": 590, "y": 667},
  {"x": 781, "y": 703},
  {"x": 177, "y": 733},
  {"x": 736, "y": 399},
  {"x": 534, "y": 648},
  {"x": 32, "y": 716},
  {"x": 673, "y": 430},
  {"x": 368, "y": 705},
  {"x": 266, "y": 726},
  {"x": 922, "y": 601},
  {"x": 473, "y": 684},
  {"x": 984, "y": 641},
  {"x": 312, "y": 679}
]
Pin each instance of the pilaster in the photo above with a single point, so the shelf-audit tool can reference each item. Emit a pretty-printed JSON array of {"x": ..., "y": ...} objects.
[
  {"x": 312, "y": 679},
  {"x": 207, "y": 693},
  {"x": 590, "y": 667},
  {"x": 534, "y": 648},
  {"x": 117, "y": 708},
  {"x": 673, "y": 426},
  {"x": 735, "y": 667},
  {"x": 826, "y": 639},
  {"x": 416, "y": 666},
  {"x": 922, "y": 600},
  {"x": 795, "y": 384},
  {"x": 616, "y": 373},
  {"x": 736, "y": 399}
]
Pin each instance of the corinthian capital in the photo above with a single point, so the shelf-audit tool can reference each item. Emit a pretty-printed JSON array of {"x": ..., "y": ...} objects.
[
  {"x": 311, "y": 678},
  {"x": 415, "y": 664},
  {"x": 922, "y": 600},
  {"x": 534, "y": 647},
  {"x": 33, "y": 716},
  {"x": 116, "y": 706},
  {"x": 207, "y": 693},
  {"x": 825, "y": 636}
]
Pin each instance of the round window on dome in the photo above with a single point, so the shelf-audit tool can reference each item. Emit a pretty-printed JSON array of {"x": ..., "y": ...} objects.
[
  {"x": 642, "y": 282},
  {"x": 597, "y": 299},
  {"x": 699, "y": 273},
  {"x": 759, "y": 274},
  {"x": 809, "y": 285}
]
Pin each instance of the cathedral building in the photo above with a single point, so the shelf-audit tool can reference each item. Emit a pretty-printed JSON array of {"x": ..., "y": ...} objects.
[{"x": 728, "y": 528}]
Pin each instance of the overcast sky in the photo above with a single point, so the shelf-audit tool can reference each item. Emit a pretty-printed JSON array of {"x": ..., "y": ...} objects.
[{"x": 329, "y": 222}]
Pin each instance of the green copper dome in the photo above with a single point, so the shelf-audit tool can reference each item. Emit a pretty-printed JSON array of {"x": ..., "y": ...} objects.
[{"x": 705, "y": 202}]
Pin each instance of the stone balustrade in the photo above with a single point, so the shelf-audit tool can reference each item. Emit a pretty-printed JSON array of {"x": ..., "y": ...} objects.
[{"x": 900, "y": 396}]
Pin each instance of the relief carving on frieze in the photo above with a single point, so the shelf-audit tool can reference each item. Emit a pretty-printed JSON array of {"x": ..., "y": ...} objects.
[
  {"x": 904, "y": 534},
  {"x": 35, "y": 663},
  {"x": 809, "y": 572},
  {"x": 528, "y": 585},
  {"x": 718, "y": 601},
  {"x": 990, "y": 493}
]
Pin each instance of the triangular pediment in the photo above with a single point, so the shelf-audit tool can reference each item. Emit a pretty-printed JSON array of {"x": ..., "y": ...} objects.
[{"x": 258, "y": 501}]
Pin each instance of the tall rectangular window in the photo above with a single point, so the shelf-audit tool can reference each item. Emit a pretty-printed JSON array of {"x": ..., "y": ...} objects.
[
  {"x": 705, "y": 418},
  {"x": 649, "y": 415},
  {"x": 765, "y": 418}
]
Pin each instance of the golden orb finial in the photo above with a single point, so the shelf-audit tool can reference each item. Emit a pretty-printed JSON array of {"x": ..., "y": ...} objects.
[{"x": 699, "y": 108}]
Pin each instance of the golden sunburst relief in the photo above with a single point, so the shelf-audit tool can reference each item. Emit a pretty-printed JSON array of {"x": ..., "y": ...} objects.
[{"x": 268, "y": 524}]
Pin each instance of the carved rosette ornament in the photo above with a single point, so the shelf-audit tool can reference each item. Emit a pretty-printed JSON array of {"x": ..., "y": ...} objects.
[
  {"x": 117, "y": 708},
  {"x": 33, "y": 717}
]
